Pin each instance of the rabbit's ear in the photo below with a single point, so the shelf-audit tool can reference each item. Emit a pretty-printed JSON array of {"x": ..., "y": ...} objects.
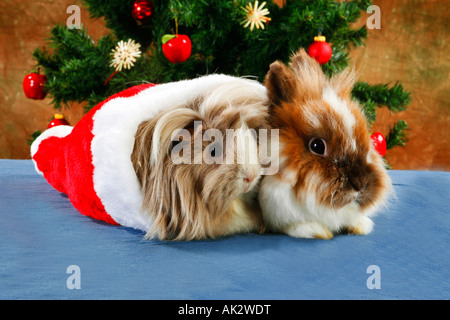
[
  {"x": 343, "y": 83},
  {"x": 309, "y": 75},
  {"x": 280, "y": 83}
]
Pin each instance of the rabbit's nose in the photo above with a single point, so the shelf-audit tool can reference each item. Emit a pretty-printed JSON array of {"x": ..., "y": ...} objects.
[{"x": 358, "y": 184}]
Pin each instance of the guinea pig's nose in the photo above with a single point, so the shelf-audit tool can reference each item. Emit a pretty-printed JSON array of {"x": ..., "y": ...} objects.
[{"x": 249, "y": 178}]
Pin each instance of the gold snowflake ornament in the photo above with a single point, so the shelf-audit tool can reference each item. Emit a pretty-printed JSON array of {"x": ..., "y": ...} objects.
[
  {"x": 256, "y": 15},
  {"x": 125, "y": 54}
]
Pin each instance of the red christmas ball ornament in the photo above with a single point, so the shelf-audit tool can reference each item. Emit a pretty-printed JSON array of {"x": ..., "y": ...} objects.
[
  {"x": 58, "y": 120},
  {"x": 379, "y": 143},
  {"x": 176, "y": 48},
  {"x": 142, "y": 11},
  {"x": 33, "y": 86},
  {"x": 320, "y": 50}
]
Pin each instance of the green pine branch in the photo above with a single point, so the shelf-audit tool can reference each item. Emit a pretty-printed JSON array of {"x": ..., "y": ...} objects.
[
  {"x": 397, "y": 135},
  {"x": 76, "y": 66},
  {"x": 395, "y": 98}
]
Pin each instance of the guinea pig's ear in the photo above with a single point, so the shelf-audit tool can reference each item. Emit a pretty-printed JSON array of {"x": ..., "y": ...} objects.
[
  {"x": 343, "y": 83},
  {"x": 280, "y": 83},
  {"x": 309, "y": 74},
  {"x": 173, "y": 125}
]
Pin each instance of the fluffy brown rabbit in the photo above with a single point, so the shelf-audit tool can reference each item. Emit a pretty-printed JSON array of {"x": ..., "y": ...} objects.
[
  {"x": 197, "y": 182},
  {"x": 330, "y": 177}
]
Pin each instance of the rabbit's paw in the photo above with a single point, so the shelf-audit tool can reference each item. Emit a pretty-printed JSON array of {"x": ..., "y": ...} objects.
[
  {"x": 361, "y": 226},
  {"x": 311, "y": 230}
]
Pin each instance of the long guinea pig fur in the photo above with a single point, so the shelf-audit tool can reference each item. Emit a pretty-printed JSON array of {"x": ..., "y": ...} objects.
[
  {"x": 194, "y": 200},
  {"x": 330, "y": 177}
]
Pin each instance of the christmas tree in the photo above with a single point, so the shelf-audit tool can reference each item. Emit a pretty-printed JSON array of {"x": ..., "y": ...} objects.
[{"x": 235, "y": 37}]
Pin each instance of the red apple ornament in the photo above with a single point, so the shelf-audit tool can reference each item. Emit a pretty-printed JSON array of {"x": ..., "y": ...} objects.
[
  {"x": 320, "y": 50},
  {"x": 33, "y": 86},
  {"x": 176, "y": 48},
  {"x": 379, "y": 143}
]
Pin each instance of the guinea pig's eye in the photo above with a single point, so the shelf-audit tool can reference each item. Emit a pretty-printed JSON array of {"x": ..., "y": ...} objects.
[
  {"x": 215, "y": 150},
  {"x": 318, "y": 146}
]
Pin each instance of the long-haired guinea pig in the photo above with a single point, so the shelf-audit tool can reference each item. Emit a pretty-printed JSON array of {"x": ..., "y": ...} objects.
[
  {"x": 197, "y": 163},
  {"x": 330, "y": 178}
]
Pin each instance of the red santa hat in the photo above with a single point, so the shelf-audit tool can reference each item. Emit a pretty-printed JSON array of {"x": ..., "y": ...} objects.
[{"x": 91, "y": 162}]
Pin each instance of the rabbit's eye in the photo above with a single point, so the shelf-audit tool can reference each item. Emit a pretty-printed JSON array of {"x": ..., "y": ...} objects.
[{"x": 318, "y": 146}]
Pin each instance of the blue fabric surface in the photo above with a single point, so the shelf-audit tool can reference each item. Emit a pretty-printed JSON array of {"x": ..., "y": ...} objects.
[{"x": 41, "y": 234}]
